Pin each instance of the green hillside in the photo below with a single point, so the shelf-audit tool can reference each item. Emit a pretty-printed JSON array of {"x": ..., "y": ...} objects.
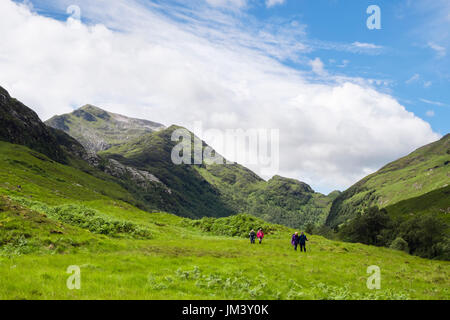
[
  {"x": 435, "y": 202},
  {"x": 419, "y": 173},
  {"x": 53, "y": 216}
]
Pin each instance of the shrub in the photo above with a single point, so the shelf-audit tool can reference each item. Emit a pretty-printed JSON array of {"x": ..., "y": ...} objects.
[
  {"x": 235, "y": 226},
  {"x": 423, "y": 235},
  {"x": 368, "y": 228},
  {"x": 400, "y": 244},
  {"x": 310, "y": 228},
  {"x": 17, "y": 247},
  {"x": 426, "y": 236}
]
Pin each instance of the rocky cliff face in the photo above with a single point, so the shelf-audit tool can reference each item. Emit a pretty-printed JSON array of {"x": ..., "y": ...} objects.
[{"x": 143, "y": 179}]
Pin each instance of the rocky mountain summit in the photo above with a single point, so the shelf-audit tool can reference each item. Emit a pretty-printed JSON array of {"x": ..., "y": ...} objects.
[{"x": 98, "y": 130}]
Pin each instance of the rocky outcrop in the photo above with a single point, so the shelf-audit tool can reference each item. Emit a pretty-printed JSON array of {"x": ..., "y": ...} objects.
[{"x": 143, "y": 179}]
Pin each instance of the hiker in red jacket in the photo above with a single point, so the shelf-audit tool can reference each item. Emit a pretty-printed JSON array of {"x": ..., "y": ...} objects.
[{"x": 260, "y": 235}]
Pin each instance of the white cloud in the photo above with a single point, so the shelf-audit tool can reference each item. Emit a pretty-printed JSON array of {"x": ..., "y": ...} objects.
[
  {"x": 434, "y": 28},
  {"x": 364, "y": 45},
  {"x": 228, "y": 3},
  {"x": 435, "y": 103},
  {"x": 440, "y": 50},
  {"x": 430, "y": 113},
  {"x": 318, "y": 67},
  {"x": 332, "y": 133},
  {"x": 414, "y": 78},
  {"x": 271, "y": 3}
]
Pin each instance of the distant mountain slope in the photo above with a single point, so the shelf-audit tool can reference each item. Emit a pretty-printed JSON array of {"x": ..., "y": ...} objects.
[
  {"x": 280, "y": 200},
  {"x": 21, "y": 125},
  {"x": 290, "y": 202},
  {"x": 421, "y": 172},
  {"x": 97, "y": 129}
]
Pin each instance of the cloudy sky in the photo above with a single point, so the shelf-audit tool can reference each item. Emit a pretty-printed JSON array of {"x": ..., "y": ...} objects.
[{"x": 346, "y": 99}]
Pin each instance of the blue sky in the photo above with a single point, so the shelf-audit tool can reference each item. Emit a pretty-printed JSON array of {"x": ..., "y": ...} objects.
[{"x": 346, "y": 99}]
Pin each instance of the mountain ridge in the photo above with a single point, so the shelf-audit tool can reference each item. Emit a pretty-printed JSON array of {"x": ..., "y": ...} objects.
[{"x": 21, "y": 125}]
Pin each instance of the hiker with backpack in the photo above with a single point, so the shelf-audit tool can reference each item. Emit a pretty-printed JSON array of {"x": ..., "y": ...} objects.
[
  {"x": 302, "y": 241},
  {"x": 295, "y": 240},
  {"x": 260, "y": 235},
  {"x": 252, "y": 236}
]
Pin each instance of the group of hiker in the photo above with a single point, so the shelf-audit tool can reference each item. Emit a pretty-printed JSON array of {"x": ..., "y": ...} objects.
[
  {"x": 297, "y": 240},
  {"x": 253, "y": 235}
]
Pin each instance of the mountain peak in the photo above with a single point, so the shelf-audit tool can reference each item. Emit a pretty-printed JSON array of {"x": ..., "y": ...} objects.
[
  {"x": 3, "y": 92},
  {"x": 93, "y": 109},
  {"x": 88, "y": 106},
  {"x": 290, "y": 183},
  {"x": 98, "y": 129}
]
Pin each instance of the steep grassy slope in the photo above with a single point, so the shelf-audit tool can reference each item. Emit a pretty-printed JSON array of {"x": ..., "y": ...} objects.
[
  {"x": 421, "y": 172},
  {"x": 234, "y": 181},
  {"x": 98, "y": 130},
  {"x": 38, "y": 182},
  {"x": 24, "y": 231},
  {"x": 177, "y": 258},
  {"x": 435, "y": 202},
  {"x": 26, "y": 171}
]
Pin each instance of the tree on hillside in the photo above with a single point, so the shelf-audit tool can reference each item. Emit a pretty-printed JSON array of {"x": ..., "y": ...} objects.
[
  {"x": 368, "y": 228},
  {"x": 426, "y": 236}
]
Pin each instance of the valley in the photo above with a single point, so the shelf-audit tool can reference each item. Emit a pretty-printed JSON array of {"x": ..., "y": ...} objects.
[{"x": 62, "y": 206}]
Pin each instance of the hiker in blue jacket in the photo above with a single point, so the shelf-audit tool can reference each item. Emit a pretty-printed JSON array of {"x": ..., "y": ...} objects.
[
  {"x": 252, "y": 236},
  {"x": 302, "y": 241}
]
